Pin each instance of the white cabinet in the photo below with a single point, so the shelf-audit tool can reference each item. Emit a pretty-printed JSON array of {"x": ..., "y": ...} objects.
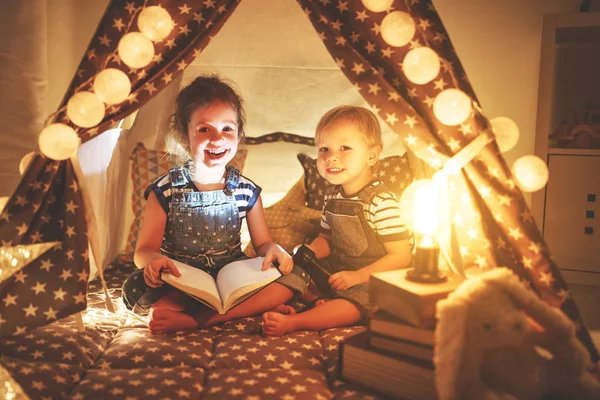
[{"x": 571, "y": 225}]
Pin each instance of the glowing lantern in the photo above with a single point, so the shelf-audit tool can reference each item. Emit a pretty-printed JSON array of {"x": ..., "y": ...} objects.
[
  {"x": 506, "y": 132},
  {"x": 58, "y": 141},
  {"x": 136, "y": 50},
  {"x": 421, "y": 65},
  {"x": 452, "y": 107},
  {"x": 419, "y": 205},
  {"x": 377, "y": 5},
  {"x": 155, "y": 23},
  {"x": 25, "y": 161},
  {"x": 112, "y": 86},
  {"x": 397, "y": 28},
  {"x": 531, "y": 173}
]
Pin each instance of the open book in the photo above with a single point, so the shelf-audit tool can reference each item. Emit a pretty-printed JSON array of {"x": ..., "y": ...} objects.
[{"x": 235, "y": 282}]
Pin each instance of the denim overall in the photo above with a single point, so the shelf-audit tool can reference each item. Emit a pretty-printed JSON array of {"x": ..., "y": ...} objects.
[
  {"x": 354, "y": 244},
  {"x": 202, "y": 230}
]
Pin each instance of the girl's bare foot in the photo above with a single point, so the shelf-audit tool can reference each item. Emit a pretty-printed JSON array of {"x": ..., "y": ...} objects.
[
  {"x": 284, "y": 309},
  {"x": 276, "y": 324},
  {"x": 165, "y": 321}
]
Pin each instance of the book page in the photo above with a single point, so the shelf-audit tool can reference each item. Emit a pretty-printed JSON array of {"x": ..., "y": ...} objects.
[
  {"x": 242, "y": 277},
  {"x": 197, "y": 283}
]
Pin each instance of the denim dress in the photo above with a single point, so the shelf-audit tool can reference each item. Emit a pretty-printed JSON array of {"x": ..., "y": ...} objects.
[
  {"x": 354, "y": 244},
  {"x": 202, "y": 230}
]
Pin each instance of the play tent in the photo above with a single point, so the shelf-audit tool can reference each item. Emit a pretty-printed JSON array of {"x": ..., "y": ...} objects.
[{"x": 50, "y": 210}]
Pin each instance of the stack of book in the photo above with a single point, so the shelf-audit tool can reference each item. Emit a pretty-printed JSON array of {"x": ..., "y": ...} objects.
[{"x": 395, "y": 355}]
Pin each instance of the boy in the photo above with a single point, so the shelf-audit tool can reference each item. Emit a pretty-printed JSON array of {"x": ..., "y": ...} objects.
[{"x": 361, "y": 228}]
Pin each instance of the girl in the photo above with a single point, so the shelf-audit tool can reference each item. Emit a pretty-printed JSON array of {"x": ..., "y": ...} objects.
[{"x": 194, "y": 214}]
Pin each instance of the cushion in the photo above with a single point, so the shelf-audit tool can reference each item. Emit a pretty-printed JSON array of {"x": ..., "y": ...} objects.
[
  {"x": 289, "y": 220},
  {"x": 146, "y": 167},
  {"x": 394, "y": 171}
]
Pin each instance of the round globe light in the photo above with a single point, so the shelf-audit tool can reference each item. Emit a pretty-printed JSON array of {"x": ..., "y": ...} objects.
[
  {"x": 85, "y": 109},
  {"x": 421, "y": 65},
  {"x": 25, "y": 161},
  {"x": 3, "y": 201},
  {"x": 112, "y": 86},
  {"x": 452, "y": 107},
  {"x": 506, "y": 132},
  {"x": 58, "y": 141},
  {"x": 420, "y": 208},
  {"x": 397, "y": 28},
  {"x": 531, "y": 173},
  {"x": 377, "y": 5},
  {"x": 155, "y": 23},
  {"x": 136, "y": 50}
]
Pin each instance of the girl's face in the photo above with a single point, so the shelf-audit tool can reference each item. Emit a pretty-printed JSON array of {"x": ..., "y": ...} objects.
[
  {"x": 213, "y": 134},
  {"x": 345, "y": 158}
]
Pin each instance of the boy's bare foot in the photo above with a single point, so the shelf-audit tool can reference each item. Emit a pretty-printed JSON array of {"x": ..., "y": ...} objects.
[
  {"x": 165, "y": 321},
  {"x": 284, "y": 309},
  {"x": 276, "y": 324}
]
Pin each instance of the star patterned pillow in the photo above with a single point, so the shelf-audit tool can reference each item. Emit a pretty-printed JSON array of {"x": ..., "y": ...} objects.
[
  {"x": 290, "y": 222},
  {"x": 394, "y": 171}
]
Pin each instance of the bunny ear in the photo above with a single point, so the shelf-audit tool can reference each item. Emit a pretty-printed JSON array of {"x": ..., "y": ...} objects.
[
  {"x": 456, "y": 362},
  {"x": 550, "y": 318}
]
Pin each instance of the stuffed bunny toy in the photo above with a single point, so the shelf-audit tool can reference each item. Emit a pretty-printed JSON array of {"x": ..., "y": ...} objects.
[{"x": 496, "y": 339}]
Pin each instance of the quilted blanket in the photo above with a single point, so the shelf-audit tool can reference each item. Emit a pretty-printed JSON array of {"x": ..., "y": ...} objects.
[{"x": 116, "y": 357}]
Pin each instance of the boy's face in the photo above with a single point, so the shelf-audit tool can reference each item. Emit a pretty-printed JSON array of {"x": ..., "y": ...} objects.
[{"x": 345, "y": 157}]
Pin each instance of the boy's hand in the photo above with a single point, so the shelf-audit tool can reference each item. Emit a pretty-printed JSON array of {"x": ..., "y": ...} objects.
[
  {"x": 345, "y": 279},
  {"x": 152, "y": 271},
  {"x": 276, "y": 253}
]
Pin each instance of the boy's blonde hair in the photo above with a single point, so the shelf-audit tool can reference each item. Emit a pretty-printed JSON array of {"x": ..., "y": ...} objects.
[{"x": 365, "y": 119}]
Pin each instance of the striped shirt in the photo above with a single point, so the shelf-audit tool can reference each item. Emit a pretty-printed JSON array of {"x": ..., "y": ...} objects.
[
  {"x": 382, "y": 215},
  {"x": 246, "y": 194}
]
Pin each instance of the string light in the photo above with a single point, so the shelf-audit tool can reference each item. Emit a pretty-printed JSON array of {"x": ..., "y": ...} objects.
[
  {"x": 377, "y": 5},
  {"x": 3, "y": 201},
  {"x": 452, "y": 107},
  {"x": 397, "y": 28},
  {"x": 85, "y": 109},
  {"x": 506, "y": 132},
  {"x": 531, "y": 173},
  {"x": 25, "y": 161},
  {"x": 135, "y": 50},
  {"x": 421, "y": 65},
  {"x": 155, "y": 23},
  {"x": 112, "y": 86},
  {"x": 58, "y": 141}
]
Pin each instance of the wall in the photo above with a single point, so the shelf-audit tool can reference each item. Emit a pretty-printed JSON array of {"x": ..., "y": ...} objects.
[
  {"x": 499, "y": 45},
  {"x": 498, "y": 42}
]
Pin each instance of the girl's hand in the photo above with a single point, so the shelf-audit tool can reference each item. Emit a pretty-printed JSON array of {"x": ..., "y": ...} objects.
[
  {"x": 346, "y": 279},
  {"x": 152, "y": 271},
  {"x": 276, "y": 253}
]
